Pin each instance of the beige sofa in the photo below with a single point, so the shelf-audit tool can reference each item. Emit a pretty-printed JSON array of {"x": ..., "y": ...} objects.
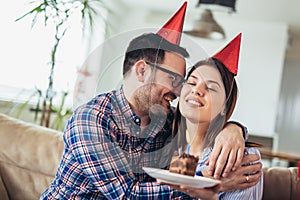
[{"x": 30, "y": 155}]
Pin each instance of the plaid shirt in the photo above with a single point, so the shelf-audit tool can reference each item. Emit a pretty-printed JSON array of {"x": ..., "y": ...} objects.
[{"x": 105, "y": 150}]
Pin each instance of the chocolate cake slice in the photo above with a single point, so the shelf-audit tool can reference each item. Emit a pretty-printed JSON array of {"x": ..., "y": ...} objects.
[{"x": 185, "y": 164}]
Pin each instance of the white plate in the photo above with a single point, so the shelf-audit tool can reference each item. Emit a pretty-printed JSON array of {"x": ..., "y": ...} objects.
[{"x": 179, "y": 179}]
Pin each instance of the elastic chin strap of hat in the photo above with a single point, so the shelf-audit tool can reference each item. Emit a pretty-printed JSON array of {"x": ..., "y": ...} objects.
[{"x": 156, "y": 57}]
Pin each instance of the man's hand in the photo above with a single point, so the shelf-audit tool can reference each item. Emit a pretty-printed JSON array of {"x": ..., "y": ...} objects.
[
  {"x": 201, "y": 193},
  {"x": 237, "y": 179},
  {"x": 228, "y": 151}
]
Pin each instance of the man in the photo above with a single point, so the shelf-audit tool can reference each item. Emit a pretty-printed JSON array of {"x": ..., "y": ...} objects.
[{"x": 110, "y": 138}]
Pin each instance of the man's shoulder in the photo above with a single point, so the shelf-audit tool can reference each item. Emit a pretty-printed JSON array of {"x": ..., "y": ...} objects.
[{"x": 103, "y": 103}]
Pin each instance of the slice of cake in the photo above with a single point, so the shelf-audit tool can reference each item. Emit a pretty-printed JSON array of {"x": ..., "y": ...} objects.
[{"x": 185, "y": 164}]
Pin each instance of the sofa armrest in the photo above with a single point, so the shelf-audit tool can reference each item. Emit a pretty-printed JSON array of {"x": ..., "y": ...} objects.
[{"x": 280, "y": 183}]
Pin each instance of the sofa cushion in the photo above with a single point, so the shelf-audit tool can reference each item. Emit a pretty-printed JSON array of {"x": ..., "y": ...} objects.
[
  {"x": 41, "y": 147},
  {"x": 3, "y": 192},
  {"x": 23, "y": 183},
  {"x": 29, "y": 157}
]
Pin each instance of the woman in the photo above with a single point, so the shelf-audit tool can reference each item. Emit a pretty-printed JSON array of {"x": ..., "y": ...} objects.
[{"x": 206, "y": 103}]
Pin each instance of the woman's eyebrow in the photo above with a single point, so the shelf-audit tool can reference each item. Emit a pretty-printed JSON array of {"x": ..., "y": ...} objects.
[
  {"x": 193, "y": 76},
  {"x": 207, "y": 80}
]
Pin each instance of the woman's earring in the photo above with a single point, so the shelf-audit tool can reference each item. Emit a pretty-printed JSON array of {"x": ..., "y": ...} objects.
[{"x": 223, "y": 112}]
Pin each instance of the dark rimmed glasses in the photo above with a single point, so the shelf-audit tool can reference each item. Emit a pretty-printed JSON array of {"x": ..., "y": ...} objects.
[{"x": 177, "y": 79}]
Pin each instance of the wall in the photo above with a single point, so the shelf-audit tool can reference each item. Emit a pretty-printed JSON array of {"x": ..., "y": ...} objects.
[
  {"x": 288, "y": 125},
  {"x": 259, "y": 78}
]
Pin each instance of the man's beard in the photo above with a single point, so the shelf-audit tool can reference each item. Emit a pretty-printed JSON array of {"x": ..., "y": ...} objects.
[{"x": 149, "y": 104}]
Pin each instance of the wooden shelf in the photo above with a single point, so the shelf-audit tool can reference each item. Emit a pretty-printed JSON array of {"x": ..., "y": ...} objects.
[{"x": 267, "y": 153}]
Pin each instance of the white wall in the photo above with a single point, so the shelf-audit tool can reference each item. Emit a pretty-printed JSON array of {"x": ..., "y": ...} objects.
[
  {"x": 288, "y": 126},
  {"x": 259, "y": 78}
]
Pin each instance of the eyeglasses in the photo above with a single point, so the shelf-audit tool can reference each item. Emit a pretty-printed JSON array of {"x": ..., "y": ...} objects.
[{"x": 177, "y": 79}]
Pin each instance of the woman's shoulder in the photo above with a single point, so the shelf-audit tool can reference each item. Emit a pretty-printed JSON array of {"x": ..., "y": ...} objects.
[{"x": 252, "y": 150}]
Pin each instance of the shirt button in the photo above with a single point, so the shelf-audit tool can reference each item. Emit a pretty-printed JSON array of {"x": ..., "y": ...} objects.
[{"x": 137, "y": 120}]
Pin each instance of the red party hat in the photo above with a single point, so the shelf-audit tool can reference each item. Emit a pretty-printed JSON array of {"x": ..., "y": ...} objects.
[
  {"x": 229, "y": 55},
  {"x": 172, "y": 30}
]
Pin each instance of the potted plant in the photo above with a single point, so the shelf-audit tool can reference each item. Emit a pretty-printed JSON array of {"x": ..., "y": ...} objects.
[{"x": 59, "y": 13}]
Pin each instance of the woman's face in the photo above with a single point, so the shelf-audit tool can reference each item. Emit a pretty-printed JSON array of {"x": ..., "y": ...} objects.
[{"x": 203, "y": 95}]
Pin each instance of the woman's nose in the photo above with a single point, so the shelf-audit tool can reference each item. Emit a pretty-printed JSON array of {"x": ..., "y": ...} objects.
[{"x": 198, "y": 90}]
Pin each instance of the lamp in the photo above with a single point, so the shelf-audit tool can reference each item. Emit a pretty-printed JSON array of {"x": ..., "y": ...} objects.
[
  {"x": 207, "y": 26},
  {"x": 226, "y": 3}
]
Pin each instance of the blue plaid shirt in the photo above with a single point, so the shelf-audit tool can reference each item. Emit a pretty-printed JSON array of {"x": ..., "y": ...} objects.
[{"x": 105, "y": 150}]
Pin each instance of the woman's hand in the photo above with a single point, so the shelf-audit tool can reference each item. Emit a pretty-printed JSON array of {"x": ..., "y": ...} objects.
[
  {"x": 228, "y": 151},
  {"x": 210, "y": 193}
]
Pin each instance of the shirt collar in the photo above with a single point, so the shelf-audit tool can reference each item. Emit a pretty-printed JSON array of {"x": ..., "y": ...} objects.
[{"x": 125, "y": 107}]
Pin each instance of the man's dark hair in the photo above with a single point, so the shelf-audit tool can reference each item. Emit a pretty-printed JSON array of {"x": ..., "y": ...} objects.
[{"x": 151, "y": 47}]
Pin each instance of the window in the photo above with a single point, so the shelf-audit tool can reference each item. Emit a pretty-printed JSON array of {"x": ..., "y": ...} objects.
[{"x": 26, "y": 53}]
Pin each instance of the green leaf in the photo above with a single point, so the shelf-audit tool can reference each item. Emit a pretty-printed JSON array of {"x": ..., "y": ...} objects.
[{"x": 24, "y": 105}]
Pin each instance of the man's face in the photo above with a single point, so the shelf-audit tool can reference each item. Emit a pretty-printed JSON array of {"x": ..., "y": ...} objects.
[{"x": 164, "y": 84}]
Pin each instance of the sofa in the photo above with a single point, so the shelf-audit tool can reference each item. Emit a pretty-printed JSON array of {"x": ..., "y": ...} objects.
[{"x": 30, "y": 155}]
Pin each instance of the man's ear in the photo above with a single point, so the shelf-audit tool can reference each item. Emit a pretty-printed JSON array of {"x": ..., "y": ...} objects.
[{"x": 141, "y": 70}]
